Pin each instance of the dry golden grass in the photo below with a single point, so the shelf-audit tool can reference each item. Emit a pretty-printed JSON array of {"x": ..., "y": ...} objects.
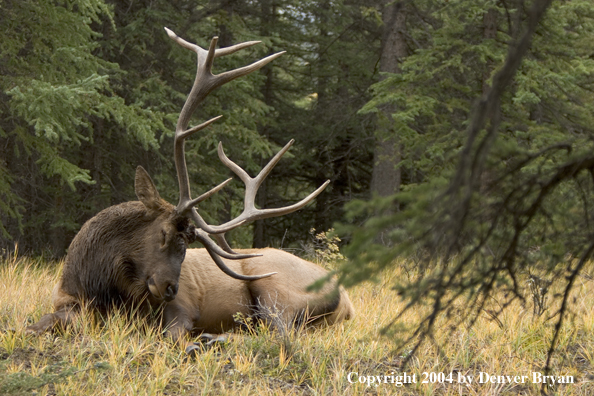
[{"x": 120, "y": 357}]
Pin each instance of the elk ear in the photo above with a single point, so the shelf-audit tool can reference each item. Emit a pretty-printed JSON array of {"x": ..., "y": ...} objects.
[{"x": 145, "y": 189}]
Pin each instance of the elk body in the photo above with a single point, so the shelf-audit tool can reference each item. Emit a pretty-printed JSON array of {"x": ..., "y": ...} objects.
[
  {"x": 208, "y": 300},
  {"x": 135, "y": 254}
]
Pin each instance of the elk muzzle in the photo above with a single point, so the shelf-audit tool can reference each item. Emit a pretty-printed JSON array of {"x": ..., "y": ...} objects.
[{"x": 165, "y": 292}]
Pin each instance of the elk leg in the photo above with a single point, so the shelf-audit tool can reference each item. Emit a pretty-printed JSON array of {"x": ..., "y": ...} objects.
[
  {"x": 61, "y": 318},
  {"x": 178, "y": 327},
  {"x": 178, "y": 333}
]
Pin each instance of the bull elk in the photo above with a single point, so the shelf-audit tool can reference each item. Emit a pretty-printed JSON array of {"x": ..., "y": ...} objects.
[{"x": 134, "y": 254}]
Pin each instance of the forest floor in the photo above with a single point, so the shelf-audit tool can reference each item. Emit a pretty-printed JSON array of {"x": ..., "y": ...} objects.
[{"x": 501, "y": 356}]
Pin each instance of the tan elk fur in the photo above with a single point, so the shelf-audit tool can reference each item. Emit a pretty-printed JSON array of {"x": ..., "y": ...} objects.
[{"x": 208, "y": 299}]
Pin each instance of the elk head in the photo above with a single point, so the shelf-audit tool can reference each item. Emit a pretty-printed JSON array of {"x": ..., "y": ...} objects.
[
  {"x": 204, "y": 83},
  {"x": 166, "y": 236}
]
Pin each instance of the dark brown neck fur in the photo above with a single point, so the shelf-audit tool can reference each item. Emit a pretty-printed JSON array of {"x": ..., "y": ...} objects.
[{"x": 100, "y": 266}]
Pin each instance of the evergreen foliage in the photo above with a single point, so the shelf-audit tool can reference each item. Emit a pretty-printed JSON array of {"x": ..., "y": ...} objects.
[
  {"x": 56, "y": 96},
  {"x": 497, "y": 143},
  {"x": 93, "y": 88}
]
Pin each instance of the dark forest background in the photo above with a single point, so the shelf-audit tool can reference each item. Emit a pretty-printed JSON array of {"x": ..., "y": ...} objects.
[
  {"x": 90, "y": 89},
  {"x": 381, "y": 96}
]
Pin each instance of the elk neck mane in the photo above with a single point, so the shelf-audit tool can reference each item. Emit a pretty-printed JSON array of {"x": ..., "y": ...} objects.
[{"x": 102, "y": 265}]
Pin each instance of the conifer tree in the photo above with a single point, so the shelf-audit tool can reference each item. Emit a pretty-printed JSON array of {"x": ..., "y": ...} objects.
[{"x": 494, "y": 112}]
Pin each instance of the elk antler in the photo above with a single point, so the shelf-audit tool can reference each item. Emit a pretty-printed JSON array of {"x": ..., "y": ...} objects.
[
  {"x": 250, "y": 212},
  {"x": 205, "y": 83}
]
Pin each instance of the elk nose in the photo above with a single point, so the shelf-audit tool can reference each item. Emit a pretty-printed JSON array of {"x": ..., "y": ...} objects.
[{"x": 171, "y": 292}]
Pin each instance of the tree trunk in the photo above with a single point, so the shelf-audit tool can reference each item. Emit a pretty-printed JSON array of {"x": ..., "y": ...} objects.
[
  {"x": 386, "y": 176},
  {"x": 324, "y": 102},
  {"x": 268, "y": 16},
  {"x": 489, "y": 33},
  {"x": 58, "y": 235},
  {"x": 225, "y": 34}
]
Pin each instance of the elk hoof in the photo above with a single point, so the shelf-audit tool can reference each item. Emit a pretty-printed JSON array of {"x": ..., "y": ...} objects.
[
  {"x": 194, "y": 349},
  {"x": 213, "y": 339},
  {"x": 207, "y": 341}
]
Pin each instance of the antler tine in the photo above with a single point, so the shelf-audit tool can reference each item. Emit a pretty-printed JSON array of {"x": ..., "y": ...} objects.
[
  {"x": 242, "y": 71},
  {"x": 250, "y": 212},
  {"x": 183, "y": 135},
  {"x": 210, "y": 56},
  {"x": 209, "y": 193},
  {"x": 232, "y": 165},
  {"x": 243, "y": 174},
  {"x": 181, "y": 41},
  {"x": 272, "y": 163},
  {"x": 204, "y": 238},
  {"x": 234, "y": 48},
  {"x": 216, "y": 253},
  {"x": 220, "y": 239}
]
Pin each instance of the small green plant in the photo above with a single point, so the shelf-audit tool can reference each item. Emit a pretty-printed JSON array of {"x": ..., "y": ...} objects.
[
  {"x": 539, "y": 289},
  {"x": 21, "y": 381},
  {"x": 245, "y": 321},
  {"x": 324, "y": 246}
]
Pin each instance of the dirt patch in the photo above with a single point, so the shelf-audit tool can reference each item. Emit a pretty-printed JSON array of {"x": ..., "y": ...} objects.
[{"x": 24, "y": 356}]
